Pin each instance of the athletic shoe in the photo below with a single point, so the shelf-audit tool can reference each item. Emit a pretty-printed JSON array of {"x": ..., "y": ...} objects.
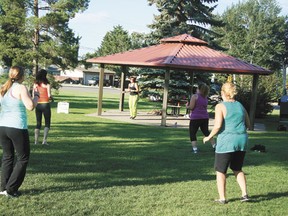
[
  {"x": 195, "y": 150},
  {"x": 221, "y": 201},
  {"x": 10, "y": 195},
  {"x": 244, "y": 198}
]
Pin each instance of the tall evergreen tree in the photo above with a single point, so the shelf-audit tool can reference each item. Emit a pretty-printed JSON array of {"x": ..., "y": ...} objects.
[
  {"x": 44, "y": 32},
  {"x": 184, "y": 16},
  {"x": 13, "y": 34},
  {"x": 178, "y": 17},
  {"x": 115, "y": 41}
]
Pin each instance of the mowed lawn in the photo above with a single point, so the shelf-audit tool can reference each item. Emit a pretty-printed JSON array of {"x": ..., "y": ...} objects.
[{"x": 95, "y": 166}]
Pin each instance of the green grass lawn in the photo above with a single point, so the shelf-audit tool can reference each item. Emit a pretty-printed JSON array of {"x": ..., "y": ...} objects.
[{"x": 97, "y": 167}]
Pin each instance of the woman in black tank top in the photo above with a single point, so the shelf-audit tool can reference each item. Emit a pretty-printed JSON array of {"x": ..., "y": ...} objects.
[{"x": 133, "y": 98}]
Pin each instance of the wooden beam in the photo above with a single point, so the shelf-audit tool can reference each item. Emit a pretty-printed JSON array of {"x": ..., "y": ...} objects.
[
  {"x": 253, "y": 100},
  {"x": 165, "y": 97},
  {"x": 191, "y": 84},
  {"x": 100, "y": 92},
  {"x": 122, "y": 94}
]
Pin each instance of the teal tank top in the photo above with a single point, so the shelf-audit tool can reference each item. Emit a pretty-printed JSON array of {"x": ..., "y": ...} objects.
[
  {"x": 233, "y": 135},
  {"x": 13, "y": 112}
]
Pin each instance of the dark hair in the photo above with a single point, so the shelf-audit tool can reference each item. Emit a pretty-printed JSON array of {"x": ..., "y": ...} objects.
[
  {"x": 41, "y": 77},
  {"x": 133, "y": 78},
  {"x": 204, "y": 89}
]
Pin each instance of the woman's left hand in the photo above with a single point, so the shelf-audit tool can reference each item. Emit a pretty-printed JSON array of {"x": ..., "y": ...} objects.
[{"x": 206, "y": 139}]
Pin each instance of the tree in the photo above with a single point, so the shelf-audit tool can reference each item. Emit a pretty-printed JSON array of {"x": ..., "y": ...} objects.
[
  {"x": 115, "y": 41},
  {"x": 183, "y": 16},
  {"x": 42, "y": 30},
  {"x": 178, "y": 17},
  {"x": 13, "y": 34},
  {"x": 254, "y": 32}
]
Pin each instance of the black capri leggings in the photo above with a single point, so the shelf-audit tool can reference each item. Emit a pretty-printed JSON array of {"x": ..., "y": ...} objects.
[
  {"x": 44, "y": 109},
  {"x": 194, "y": 126}
]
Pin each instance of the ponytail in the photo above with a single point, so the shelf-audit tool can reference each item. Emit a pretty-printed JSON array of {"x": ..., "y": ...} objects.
[{"x": 15, "y": 74}]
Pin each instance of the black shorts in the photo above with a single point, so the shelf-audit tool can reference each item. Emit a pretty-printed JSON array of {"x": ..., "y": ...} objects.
[{"x": 234, "y": 160}]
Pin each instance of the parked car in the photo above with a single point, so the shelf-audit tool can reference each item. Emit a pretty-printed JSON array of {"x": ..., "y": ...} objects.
[{"x": 93, "y": 81}]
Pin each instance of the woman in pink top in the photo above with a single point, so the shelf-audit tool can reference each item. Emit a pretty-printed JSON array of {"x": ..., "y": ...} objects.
[{"x": 199, "y": 115}]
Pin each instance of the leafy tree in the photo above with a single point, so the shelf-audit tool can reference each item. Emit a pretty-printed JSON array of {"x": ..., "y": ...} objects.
[
  {"x": 252, "y": 29},
  {"x": 254, "y": 32}
]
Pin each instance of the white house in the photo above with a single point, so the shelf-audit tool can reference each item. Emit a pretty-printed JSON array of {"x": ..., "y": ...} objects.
[{"x": 80, "y": 75}]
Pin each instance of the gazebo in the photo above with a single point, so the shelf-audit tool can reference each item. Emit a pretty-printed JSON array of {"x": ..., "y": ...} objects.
[{"x": 180, "y": 53}]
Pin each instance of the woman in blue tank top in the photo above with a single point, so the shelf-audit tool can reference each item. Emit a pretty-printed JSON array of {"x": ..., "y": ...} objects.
[
  {"x": 231, "y": 123},
  {"x": 15, "y": 99}
]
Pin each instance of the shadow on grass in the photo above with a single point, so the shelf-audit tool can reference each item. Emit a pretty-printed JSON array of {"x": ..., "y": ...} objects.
[
  {"x": 261, "y": 197},
  {"x": 92, "y": 155},
  {"x": 97, "y": 153},
  {"x": 105, "y": 154}
]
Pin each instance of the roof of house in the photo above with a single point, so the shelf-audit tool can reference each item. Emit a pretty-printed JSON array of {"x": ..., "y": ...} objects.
[{"x": 182, "y": 52}]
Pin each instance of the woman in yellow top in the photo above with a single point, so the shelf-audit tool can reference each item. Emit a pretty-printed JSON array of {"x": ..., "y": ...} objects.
[{"x": 42, "y": 86}]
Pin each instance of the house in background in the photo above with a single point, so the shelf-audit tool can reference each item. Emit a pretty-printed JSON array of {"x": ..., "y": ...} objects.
[
  {"x": 80, "y": 75},
  {"x": 93, "y": 72}
]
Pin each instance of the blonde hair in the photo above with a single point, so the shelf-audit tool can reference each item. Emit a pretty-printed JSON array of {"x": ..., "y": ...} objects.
[
  {"x": 204, "y": 89},
  {"x": 15, "y": 73},
  {"x": 229, "y": 90}
]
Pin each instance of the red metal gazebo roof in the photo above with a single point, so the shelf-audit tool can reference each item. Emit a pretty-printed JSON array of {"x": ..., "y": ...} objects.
[{"x": 182, "y": 52}]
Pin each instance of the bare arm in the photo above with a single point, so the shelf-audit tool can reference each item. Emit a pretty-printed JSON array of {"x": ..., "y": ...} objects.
[
  {"x": 49, "y": 90},
  {"x": 247, "y": 120},
  {"x": 192, "y": 103},
  {"x": 28, "y": 102},
  {"x": 219, "y": 116}
]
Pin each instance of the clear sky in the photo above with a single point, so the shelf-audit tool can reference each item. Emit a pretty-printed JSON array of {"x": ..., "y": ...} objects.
[{"x": 132, "y": 15}]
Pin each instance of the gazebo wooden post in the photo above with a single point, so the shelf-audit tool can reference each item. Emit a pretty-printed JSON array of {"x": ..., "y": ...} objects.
[
  {"x": 122, "y": 94},
  {"x": 100, "y": 92},
  {"x": 165, "y": 97},
  {"x": 191, "y": 84},
  {"x": 253, "y": 100}
]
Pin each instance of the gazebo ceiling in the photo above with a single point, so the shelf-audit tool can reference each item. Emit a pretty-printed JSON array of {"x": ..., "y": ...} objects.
[{"x": 182, "y": 52}]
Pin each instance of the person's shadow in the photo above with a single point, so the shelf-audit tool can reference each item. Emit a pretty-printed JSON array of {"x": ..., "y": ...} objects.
[{"x": 260, "y": 198}]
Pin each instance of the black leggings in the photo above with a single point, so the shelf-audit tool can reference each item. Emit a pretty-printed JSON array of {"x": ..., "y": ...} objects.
[
  {"x": 194, "y": 126},
  {"x": 13, "y": 139},
  {"x": 44, "y": 109}
]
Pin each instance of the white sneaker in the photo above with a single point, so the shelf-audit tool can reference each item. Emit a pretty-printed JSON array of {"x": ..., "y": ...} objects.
[
  {"x": 14, "y": 195},
  {"x": 195, "y": 150},
  {"x": 3, "y": 193}
]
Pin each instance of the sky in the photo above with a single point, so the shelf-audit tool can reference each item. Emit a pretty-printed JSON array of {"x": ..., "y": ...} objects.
[{"x": 133, "y": 15}]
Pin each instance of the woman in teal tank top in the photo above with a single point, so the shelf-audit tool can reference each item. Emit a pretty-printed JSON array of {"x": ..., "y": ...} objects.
[{"x": 231, "y": 123}]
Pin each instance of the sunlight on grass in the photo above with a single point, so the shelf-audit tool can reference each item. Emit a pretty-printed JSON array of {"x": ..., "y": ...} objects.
[{"x": 95, "y": 166}]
